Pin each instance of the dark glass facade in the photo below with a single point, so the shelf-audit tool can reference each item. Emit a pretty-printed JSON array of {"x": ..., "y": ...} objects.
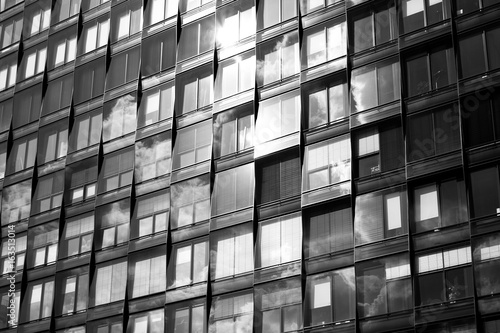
[{"x": 195, "y": 166}]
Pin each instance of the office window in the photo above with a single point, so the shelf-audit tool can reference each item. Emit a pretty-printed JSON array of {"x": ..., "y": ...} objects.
[
  {"x": 158, "y": 52},
  {"x": 487, "y": 264},
  {"x": 421, "y": 13},
  {"x": 188, "y": 264},
  {"x": 469, "y": 6},
  {"x": 325, "y": 101},
  {"x": 38, "y": 301},
  {"x": 89, "y": 80},
  {"x": 86, "y": 130},
  {"x": 444, "y": 276},
  {"x": 33, "y": 62},
  {"x": 152, "y": 157},
  {"x": 119, "y": 117},
  {"x": 36, "y": 18},
  {"x": 62, "y": 47},
  {"x": 307, "y": 6},
  {"x": 433, "y": 133},
  {"x": 233, "y": 131},
  {"x": 6, "y": 115},
  {"x": 485, "y": 191},
  {"x": 124, "y": 67},
  {"x": 379, "y": 149},
  {"x": 431, "y": 71},
  {"x": 53, "y": 142},
  {"x": 72, "y": 293},
  {"x": 279, "y": 306},
  {"x": 19, "y": 249},
  {"x": 159, "y": 10},
  {"x": 235, "y": 22},
  {"x": 327, "y": 162},
  {"x": 8, "y": 72},
  {"x": 42, "y": 244},
  {"x": 95, "y": 34},
  {"x": 148, "y": 272},
  {"x": 22, "y": 155},
  {"x": 477, "y": 57},
  {"x": 272, "y": 12},
  {"x": 190, "y": 201},
  {"x": 186, "y": 5},
  {"x": 58, "y": 94},
  {"x": 330, "y": 297},
  {"x": 113, "y": 325},
  {"x": 7, "y": 298},
  {"x": 329, "y": 230},
  {"x": 194, "y": 90},
  {"x": 384, "y": 286},
  {"x": 29, "y": 101},
  {"x": 278, "y": 117},
  {"x": 480, "y": 114},
  {"x": 323, "y": 43},
  {"x": 380, "y": 215},
  {"x": 196, "y": 38},
  {"x": 231, "y": 252},
  {"x": 126, "y": 19},
  {"x": 278, "y": 59},
  {"x": 235, "y": 75},
  {"x": 77, "y": 236},
  {"x": 16, "y": 202},
  {"x": 193, "y": 145},
  {"x": 278, "y": 178},
  {"x": 147, "y": 322},
  {"x": 374, "y": 85},
  {"x": 81, "y": 181},
  {"x": 187, "y": 317},
  {"x": 109, "y": 284},
  {"x": 233, "y": 189},
  {"x": 157, "y": 104},
  {"x": 151, "y": 214},
  {"x": 112, "y": 224},
  {"x": 279, "y": 241},
  {"x": 117, "y": 170},
  {"x": 440, "y": 204},
  {"x": 48, "y": 193},
  {"x": 89, "y": 4},
  {"x": 232, "y": 313},
  {"x": 64, "y": 9},
  {"x": 374, "y": 27}
]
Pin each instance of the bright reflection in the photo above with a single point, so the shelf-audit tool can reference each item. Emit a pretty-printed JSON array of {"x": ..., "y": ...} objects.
[{"x": 119, "y": 117}]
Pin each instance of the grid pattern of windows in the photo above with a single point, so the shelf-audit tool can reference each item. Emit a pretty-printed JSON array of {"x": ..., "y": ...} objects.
[{"x": 241, "y": 166}]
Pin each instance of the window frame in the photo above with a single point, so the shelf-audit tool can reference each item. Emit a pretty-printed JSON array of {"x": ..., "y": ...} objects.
[
  {"x": 17, "y": 250},
  {"x": 46, "y": 300},
  {"x": 164, "y": 110},
  {"x": 281, "y": 17},
  {"x": 198, "y": 205},
  {"x": 84, "y": 238},
  {"x": 147, "y": 272},
  {"x": 42, "y": 10},
  {"x": 153, "y": 157},
  {"x": 153, "y": 207},
  {"x": 53, "y": 142},
  {"x": 39, "y": 53},
  {"x": 173, "y": 267},
  {"x": 102, "y": 27},
  {"x": 54, "y": 198},
  {"x": 182, "y": 95},
  {"x": 331, "y": 52},
  {"x": 28, "y": 156},
  {"x": 375, "y": 15},
  {"x": 112, "y": 225},
  {"x": 195, "y": 145},
  {"x": 116, "y": 283},
  {"x": 129, "y": 11}
]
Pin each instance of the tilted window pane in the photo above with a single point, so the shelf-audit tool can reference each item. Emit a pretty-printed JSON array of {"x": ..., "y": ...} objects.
[
  {"x": 86, "y": 130},
  {"x": 109, "y": 283},
  {"x": 16, "y": 202},
  {"x": 89, "y": 80},
  {"x": 233, "y": 189},
  {"x": 188, "y": 264},
  {"x": 196, "y": 38},
  {"x": 124, "y": 68},
  {"x": 119, "y": 117},
  {"x": 279, "y": 240},
  {"x": 383, "y": 286},
  {"x": 193, "y": 145},
  {"x": 194, "y": 90},
  {"x": 330, "y": 231},
  {"x": 330, "y": 297},
  {"x": 485, "y": 185},
  {"x": 77, "y": 236},
  {"x": 235, "y": 22},
  {"x": 53, "y": 142},
  {"x": 158, "y": 52},
  {"x": 117, "y": 170},
  {"x": 233, "y": 131},
  {"x": 232, "y": 313},
  {"x": 190, "y": 201},
  {"x": 152, "y": 157}
]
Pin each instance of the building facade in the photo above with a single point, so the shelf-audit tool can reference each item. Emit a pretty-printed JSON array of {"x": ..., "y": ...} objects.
[{"x": 249, "y": 166}]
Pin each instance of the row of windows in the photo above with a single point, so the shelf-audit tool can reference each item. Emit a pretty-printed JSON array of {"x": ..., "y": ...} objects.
[
  {"x": 378, "y": 216},
  {"x": 382, "y": 285},
  {"x": 276, "y": 59}
]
